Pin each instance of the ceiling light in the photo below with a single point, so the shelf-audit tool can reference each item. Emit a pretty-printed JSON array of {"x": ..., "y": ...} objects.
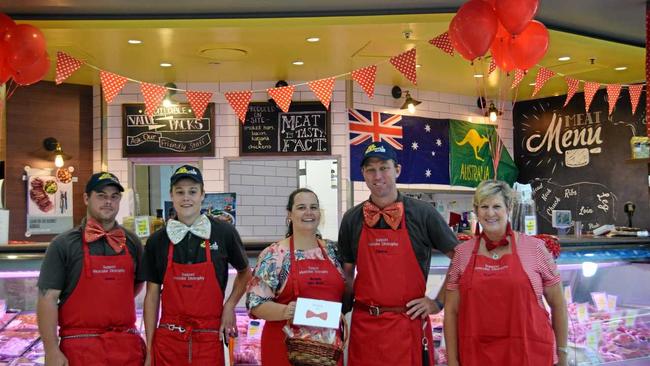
[
  {"x": 313, "y": 39},
  {"x": 478, "y": 76},
  {"x": 418, "y": 66},
  {"x": 409, "y": 102},
  {"x": 531, "y": 84},
  {"x": 620, "y": 68},
  {"x": 134, "y": 41},
  {"x": 493, "y": 113},
  {"x": 165, "y": 64},
  {"x": 564, "y": 58},
  {"x": 298, "y": 63}
]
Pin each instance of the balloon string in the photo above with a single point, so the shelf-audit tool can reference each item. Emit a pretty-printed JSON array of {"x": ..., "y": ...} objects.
[{"x": 11, "y": 89}]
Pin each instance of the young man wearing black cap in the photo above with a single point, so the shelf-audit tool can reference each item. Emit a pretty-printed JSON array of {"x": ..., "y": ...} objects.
[
  {"x": 87, "y": 284},
  {"x": 389, "y": 239},
  {"x": 189, "y": 259}
]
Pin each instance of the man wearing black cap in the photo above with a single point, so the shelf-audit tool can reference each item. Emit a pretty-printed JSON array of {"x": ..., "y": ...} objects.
[
  {"x": 389, "y": 239},
  {"x": 88, "y": 281},
  {"x": 189, "y": 258}
]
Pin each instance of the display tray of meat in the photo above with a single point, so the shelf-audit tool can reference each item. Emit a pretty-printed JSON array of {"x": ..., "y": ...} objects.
[
  {"x": 5, "y": 319},
  {"x": 248, "y": 350},
  {"x": 14, "y": 343},
  {"x": 23, "y": 321},
  {"x": 25, "y": 361}
]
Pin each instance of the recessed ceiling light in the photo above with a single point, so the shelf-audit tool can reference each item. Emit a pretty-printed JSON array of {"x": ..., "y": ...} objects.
[
  {"x": 165, "y": 64},
  {"x": 531, "y": 84},
  {"x": 134, "y": 41},
  {"x": 564, "y": 58},
  {"x": 478, "y": 76},
  {"x": 298, "y": 63},
  {"x": 620, "y": 68},
  {"x": 313, "y": 39},
  {"x": 418, "y": 66}
]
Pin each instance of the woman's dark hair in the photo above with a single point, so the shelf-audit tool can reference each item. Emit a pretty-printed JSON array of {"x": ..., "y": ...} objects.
[{"x": 292, "y": 198}]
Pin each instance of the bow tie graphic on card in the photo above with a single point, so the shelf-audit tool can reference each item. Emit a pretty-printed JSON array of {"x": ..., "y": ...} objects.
[
  {"x": 115, "y": 237},
  {"x": 176, "y": 230},
  {"x": 392, "y": 214},
  {"x": 311, "y": 314}
]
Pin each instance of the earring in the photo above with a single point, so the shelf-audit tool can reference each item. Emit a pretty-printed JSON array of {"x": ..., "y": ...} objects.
[{"x": 288, "y": 221}]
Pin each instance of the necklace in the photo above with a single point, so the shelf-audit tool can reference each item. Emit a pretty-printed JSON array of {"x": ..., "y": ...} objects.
[{"x": 495, "y": 255}]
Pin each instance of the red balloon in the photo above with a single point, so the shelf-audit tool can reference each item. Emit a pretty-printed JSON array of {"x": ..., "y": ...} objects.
[
  {"x": 6, "y": 23},
  {"x": 500, "y": 50},
  {"x": 473, "y": 28},
  {"x": 515, "y": 14},
  {"x": 530, "y": 46},
  {"x": 5, "y": 71},
  {"x": 34, "y": 73},
  {"x": 493, "y": 3},
  {"x": 26, "y": 45}
]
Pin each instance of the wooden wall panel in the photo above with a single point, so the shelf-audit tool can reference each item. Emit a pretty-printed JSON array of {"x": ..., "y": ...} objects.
[{"x": 34, "y": 113}]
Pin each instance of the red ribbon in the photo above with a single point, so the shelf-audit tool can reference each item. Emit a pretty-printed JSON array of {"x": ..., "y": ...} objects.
[
  {"x": 311, "y": 314},
  {"x": 492, "y": 245},
  {"x": 392, "y": 214}
]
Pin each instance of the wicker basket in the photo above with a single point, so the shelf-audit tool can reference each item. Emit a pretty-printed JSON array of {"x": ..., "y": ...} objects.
[{"x": 305, "y": 352}]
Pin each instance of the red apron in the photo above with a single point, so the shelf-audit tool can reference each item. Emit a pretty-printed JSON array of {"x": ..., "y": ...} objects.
[
  {"x": 97, "y": 322},
  {"x": 310, "y": 278},
  {"x": 500, "y": 321},
  {"x": 388, "y": 275},
  {"x": 192, "y": 302}
]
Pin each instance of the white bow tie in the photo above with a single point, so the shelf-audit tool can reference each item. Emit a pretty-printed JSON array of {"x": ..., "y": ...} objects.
[{"x": 176, "y": 230}]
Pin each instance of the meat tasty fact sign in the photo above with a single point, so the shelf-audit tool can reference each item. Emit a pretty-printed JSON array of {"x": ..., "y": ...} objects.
[{"x": 171, "y": 131}]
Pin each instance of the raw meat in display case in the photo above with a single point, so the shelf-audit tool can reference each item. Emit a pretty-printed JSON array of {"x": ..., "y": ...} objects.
[
  {"x": 247, "y": 349},
  {"x": 23, "y": 321}
]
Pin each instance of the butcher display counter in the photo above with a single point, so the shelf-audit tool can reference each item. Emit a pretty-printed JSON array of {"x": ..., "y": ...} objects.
[{"x": 605, "y": 280}]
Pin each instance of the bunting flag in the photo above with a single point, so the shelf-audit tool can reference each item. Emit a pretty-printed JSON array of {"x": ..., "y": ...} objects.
[
  {"x": 282, "y": 96},
  {"x": 590, "y": 90},
  {"x": 323, "y": 90},
  {"x": 111, "y": 84},
  {"x": 365, "y": 77},
  {"x": 405, "y": 63},
  {"x": 153, "y": 95},
  {"x": 635, "y": 95},
  {"x": 65, "y": 66},
  {"x": 493, "y": 66},
  {"x": 421, "y": 144},
  {"x": 519, "y": 76},
  {"x": 239, "y": 101},
  {"x": 542, "y": 77},
  {"x": 443, "y": 42},
  {"x": 572, "y": 88},
  {"x": 198, "y": 101},
  {"x": 613, "y": 91}
]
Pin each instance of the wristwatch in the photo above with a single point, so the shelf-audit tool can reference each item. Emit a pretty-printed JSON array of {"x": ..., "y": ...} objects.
[
  {"x": 438, "y": 303},
  {"x": 564, "y": 350}
]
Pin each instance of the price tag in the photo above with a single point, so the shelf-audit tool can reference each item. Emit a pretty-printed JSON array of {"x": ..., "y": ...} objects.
[
  {"x": 582, "y": 313},
  {"x": 568, "y": 297},
  {"x": 630, "y": 317},
  {"x": 592, "y": 340},
  {"x": 141, "y": 224},
  {"x": 254, "y": 331},
  {"x": 530, "y": 225},
  {"x": 611, "y": 303},
  {"x": 600, "y": 300}
]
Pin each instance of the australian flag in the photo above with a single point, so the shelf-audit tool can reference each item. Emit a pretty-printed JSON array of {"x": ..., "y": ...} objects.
[{"x": 422, "y": 144}]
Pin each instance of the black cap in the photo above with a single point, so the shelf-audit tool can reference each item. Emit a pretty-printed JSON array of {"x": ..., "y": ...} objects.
[
  {"x": 381, "y": 150},
  {"x": 99, "y": 180},
  {"x": 186, "y": 171}
]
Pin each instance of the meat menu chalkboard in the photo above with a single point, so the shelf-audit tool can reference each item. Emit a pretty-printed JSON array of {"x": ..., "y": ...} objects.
[
  {"x": 304, "y": 130},
  {"x": 172, "y": 131},
  {"x": 577, "y": 160}
]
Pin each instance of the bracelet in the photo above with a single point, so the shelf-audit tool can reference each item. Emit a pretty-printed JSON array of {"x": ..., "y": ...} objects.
[
  {"x": 438, "y": 303},
  {"x": 564, "y": 350}
]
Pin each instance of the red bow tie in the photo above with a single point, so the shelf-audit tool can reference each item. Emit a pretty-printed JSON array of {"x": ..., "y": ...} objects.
[
  {"x": 392, "y": 214},
  {"x": 115, "y": 237},
  {"x": 311, "y": 314},
  {"x": 492, "y": 245}
]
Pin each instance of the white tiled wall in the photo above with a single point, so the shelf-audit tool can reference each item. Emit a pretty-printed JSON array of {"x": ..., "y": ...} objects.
[{"x": 434, "y": 105}]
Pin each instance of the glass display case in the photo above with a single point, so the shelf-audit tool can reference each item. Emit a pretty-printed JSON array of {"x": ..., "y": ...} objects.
[{"x": 605, "y": 282}]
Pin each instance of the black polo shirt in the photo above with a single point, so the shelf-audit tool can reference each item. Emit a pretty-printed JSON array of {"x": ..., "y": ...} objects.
[
  {"x": 225, "y": 247},
  {"x": 63, "y": 262},
  {"x": 426, "y": 228}
]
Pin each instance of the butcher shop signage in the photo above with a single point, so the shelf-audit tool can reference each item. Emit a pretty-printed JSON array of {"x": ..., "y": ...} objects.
[
  {"x": 49, "y": 201},
  {"x": 171, "y": 131}
]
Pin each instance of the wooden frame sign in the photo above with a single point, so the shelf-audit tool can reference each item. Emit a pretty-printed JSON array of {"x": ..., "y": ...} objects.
[
  {"x": 171, "y": 132},
  {"x": 304, "y": 130}
]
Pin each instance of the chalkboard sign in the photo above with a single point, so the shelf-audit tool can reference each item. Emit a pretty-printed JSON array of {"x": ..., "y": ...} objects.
[
  {"x": 172, "y": 131},
  {"x": 576, "y": 160},
  {"x": 304, "y": 130}
]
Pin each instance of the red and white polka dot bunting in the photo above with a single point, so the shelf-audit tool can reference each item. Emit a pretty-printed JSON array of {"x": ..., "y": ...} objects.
[
  {"x": 153, "y": 96},
  {"x": 365, "y": 77},
  {"x": 282, "y": 96},
  {"x": 323, "y": 90},
  {"x": 572, "y": 88},
  {"x": 65, "y": 66},
  {"x": 493, "y": 66},
  {"x": 542, "y": 77},
  {"x": 590, "y": 90},
  {"x": 239, "y": 101},
  {"x": 613, "y": 91},
  {"x": 405, "y": 63},
  {"x": 443, "y": 42},
  {"x": 519, "y": 76},
  {"x": 111, "y": 84},
  {"x": 198, "y": 101},
  {"x": 635, "y": 95}
]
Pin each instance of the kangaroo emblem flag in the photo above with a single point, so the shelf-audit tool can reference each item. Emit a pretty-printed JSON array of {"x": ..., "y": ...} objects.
[
  {"x": 471, "y": 161},
  {"x": 422, "y": 144}
]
